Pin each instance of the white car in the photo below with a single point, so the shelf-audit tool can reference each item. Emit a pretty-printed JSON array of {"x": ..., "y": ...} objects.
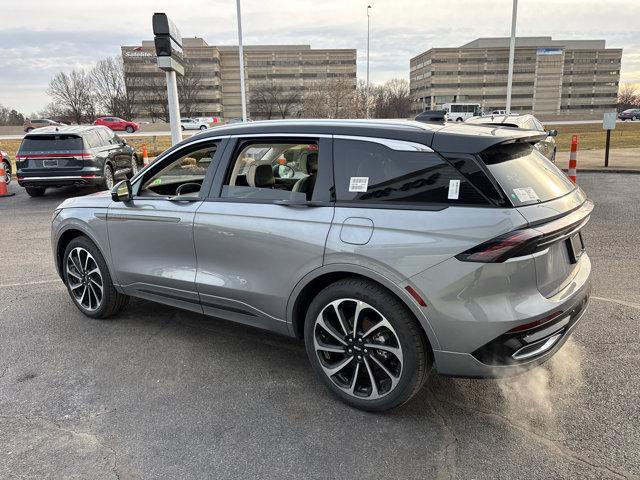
[{"x": 193, "y": 124}]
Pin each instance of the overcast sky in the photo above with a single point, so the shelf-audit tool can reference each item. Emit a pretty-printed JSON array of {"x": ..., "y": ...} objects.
[{"x": 40, "y": 37}]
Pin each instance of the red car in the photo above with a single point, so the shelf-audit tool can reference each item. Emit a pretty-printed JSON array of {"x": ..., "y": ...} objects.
[{"x": 115, "y": 123}]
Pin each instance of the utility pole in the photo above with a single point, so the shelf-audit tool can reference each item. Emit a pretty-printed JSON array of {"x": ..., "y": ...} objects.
[
  {"x": 512, "y": 47},
  {"x": 367, "y": 90},
  {"x": 241, "y": 56}
]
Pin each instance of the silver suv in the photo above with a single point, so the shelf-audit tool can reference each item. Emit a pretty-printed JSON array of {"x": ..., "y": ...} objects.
[{"x": 390, "y": 248}]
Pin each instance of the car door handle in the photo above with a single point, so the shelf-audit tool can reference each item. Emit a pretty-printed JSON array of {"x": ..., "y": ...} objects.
[
  {"x": 298, "y": 204},
  {"x": 183, "y": 198}
]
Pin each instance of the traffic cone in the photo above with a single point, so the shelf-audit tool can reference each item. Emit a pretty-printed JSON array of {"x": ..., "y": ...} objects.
[
  {"x": 573, "y": 160},
  {"x": 4, "y": 192},
  {"x": 145, "y": 156}
]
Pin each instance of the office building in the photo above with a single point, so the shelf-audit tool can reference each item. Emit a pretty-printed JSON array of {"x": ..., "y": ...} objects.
[{"x": 551, "y": 78}]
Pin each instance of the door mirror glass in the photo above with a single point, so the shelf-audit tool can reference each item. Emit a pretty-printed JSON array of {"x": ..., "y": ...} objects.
[
  {"x": 552, "y": 133},
  {"x": 121, "y": 192}
]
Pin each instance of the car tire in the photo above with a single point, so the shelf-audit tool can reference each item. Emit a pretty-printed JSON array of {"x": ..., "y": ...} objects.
[
  {"x": 634, "y": 118},
  {"x": 7, "y": 172},
  {"x": 459, "y": 119},
  {"x": 129, "y": 129},
  {"x": 402, "y": 347},
  {"x": 107, "y": 177},
  {"x": 134, "y": 166},
  {"x": 30, "y": 129},
  {"x": 203, "y": 127},
  {"x": 88, "y": 280},
  {"x": 182, "y": 128},
  {"x": 35, "y": 191}
]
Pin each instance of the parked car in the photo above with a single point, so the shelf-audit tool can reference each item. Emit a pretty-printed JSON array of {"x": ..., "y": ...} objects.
[
  {"x": 237, "y": 120},
  {"x": 193, "y": 124},
  {"x": 30, "y": 125},
  {"x": 389, "y": 247},
  {"x": 498, "y": 112},
  {"x": 117, "y": 124},
  {"x": 208, "y": 120},
  {"x": 546, "y": 146},
  {"x": 77, "y": 155},
  {"x": 630, "y": 114},
  {"x": 6, "y": 163}
]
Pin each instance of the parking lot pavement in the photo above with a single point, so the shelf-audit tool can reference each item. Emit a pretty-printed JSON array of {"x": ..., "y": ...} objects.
[{"x": 162, "y": 393}]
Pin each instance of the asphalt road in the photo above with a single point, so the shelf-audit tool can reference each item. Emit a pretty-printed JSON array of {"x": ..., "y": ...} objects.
[{"x": 161, "y": 393}]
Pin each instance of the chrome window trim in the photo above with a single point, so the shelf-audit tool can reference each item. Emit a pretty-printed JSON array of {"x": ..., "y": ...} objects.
[
  {"x": 283, "y": 134},
  {"x": 399, "y": 145}
]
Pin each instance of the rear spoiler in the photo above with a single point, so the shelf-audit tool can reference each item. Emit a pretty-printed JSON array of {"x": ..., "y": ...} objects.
[{"x": 475, "y": 138}]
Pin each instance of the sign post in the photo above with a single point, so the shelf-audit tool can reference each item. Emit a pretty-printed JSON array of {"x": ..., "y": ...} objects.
[
  {"x": 168, "y": 42},
  {"x": 608, "y": 123}
]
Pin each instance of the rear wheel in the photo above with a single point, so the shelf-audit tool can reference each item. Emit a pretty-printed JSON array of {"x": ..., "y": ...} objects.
[
  {"x": 129, "y": 129},
  {"x": 88, "y": 281},
  {"x": 107, "y": 175},
  {"x": 134, "y": 166},
  {"x": 366, "y": 345},
  {"x": 203, "y": 127},
  {"x": 35, "y": 191},
  {"x": 459, "y": 119}
]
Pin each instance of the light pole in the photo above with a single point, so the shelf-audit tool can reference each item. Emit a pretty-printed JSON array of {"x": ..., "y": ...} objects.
[
  {"x": 367, "y": 91},
  {"x": 241, "y": 56},
  {"x": 512, "y": 47}
]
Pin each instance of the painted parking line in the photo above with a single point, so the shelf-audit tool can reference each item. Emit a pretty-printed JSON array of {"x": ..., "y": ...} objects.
[
  {"x": 619, "y": 302},
  {"x": 24, "y": 284}
]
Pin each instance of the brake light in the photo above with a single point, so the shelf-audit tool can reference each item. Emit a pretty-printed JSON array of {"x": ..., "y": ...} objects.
[
  {"x": 54, "y": 155},
  {"x": 499, "y": 249}
]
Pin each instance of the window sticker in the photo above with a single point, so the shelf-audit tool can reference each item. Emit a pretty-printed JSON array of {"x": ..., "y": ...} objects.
[
  {"x": 454, "y": 190},
  {"x": 526, "y": 194},
  {"x": 358, "y": 184}
]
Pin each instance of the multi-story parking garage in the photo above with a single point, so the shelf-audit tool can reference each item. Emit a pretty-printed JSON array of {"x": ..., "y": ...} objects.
[
  {"x": 293, "y": 68},
  {"x": 551, "y": 78}
]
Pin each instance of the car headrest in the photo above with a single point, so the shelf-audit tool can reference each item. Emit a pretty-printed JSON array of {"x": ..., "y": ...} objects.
[
  {"x": 260, "y": 175},
  {"x": 312, "y": 163}
]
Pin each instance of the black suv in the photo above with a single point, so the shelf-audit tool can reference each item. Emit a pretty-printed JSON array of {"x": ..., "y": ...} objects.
[{"x": 77, "y": 155}]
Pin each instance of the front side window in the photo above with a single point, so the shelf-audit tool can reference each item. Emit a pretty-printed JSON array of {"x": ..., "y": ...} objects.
[
  {"x": 368, "y": 172},
  {"x": 184, "y": 175},
  {"x": 280, "y": 170}
]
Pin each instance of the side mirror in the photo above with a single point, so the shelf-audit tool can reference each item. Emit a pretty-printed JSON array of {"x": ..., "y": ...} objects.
[
  {"x": 552, "y": 133},
  {"x": 121, "y": 192}
]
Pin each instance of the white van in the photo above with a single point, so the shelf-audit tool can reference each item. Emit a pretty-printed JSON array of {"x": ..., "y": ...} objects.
[{"x": 459, "y": 112}]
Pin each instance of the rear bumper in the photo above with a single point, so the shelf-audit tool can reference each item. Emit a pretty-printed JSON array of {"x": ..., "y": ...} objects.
[
  {"x": 474, "y": 313},
  {"x": 59, "y": 180}
]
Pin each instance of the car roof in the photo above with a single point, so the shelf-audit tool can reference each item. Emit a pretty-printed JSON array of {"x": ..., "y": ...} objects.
[
  {"x": 67, "y": 129},
  {"x": 453, "y": 138}
]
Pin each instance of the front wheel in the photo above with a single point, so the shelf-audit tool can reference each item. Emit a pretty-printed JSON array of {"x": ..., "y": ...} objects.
[
  {"x": 88, "y": 280},
  {"x": 634, "y": 118},
  {"x": 129, "y": 129},
  {"x": 365, "y": 345},
  {"x": 459, "y": 119},
  {"x": 7, "y": 172},
  {"x": 203, "y": 127}
]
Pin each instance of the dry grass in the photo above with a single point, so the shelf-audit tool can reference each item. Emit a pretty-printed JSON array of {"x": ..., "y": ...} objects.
[{"x": 591, "y": 136}]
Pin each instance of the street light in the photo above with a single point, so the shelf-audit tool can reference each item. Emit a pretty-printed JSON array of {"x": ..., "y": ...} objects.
[
  {"x": 241, "y": 55},
  {"x": 512, "y": 47},
  {"x": 367, "y": 92}
]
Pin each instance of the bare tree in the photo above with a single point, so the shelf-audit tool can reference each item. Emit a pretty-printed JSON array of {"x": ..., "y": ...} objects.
[
  {"x": 190, "y": 88},
  {"x": 74, "y": 92},
  {"x": 333, "y": 98},
  {"x": 114, "y": 90},
  {"x": 391, "y": 99},
  {"x": 628, "y": 97},
  {"x": 268, "y": 100}
]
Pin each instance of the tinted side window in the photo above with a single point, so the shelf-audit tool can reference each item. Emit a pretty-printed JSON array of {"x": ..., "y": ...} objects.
[
  {"x": 93, "y": 139},
  {"x": 373, "y": 173},
  {"x": 104, "y": 137}
]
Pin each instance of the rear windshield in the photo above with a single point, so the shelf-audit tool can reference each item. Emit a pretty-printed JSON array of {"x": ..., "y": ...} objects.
[
  {"x": 51, "y": 143},
  {"x": 526, "y": 176}
]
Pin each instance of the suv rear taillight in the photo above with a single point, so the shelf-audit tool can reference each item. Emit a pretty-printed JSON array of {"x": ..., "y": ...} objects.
[
  {"x": 499, "y": 249},
  {"x": 528, "y": 240}
]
